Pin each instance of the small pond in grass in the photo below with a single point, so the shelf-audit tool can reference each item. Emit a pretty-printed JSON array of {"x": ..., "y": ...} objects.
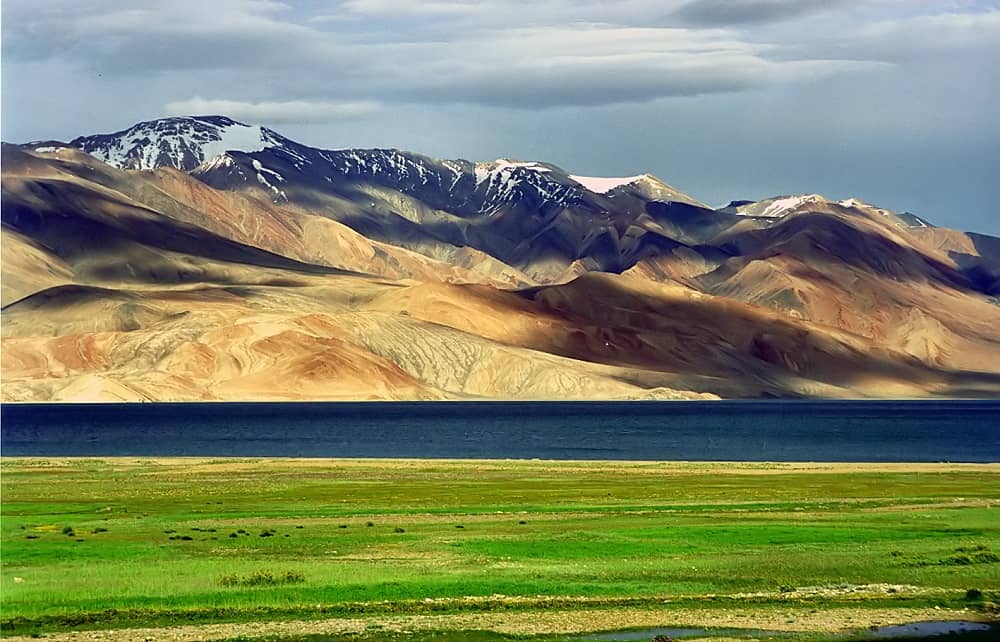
[
  {"x": 674, "y": 633},
  {"x": 929, "y": 629},
  {"x": 954, "y": 630}
]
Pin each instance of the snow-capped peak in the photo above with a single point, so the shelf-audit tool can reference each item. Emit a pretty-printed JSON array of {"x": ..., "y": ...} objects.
[
  {"x": 776, "y": 207},
  {"x": 908, "y": 219},
  {"x": 182, "y": 143},
  {"x": 857, "y": 203},
  {"x": 502, "y": 164},
  {"x": 504, "y": 167},
  {"x": 603, "y": 185},
  {"x": 781, "y": 206}
]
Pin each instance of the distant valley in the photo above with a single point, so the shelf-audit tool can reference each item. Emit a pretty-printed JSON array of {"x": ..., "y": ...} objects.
[{"x": 199, "y": 258}]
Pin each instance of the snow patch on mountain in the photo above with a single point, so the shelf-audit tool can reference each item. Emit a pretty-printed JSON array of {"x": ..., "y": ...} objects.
[
  {"x": 603, "y": 185},
  {"x": 236, "y": 138},
  {"x": 781, "y": 206},
  {"x": 505, "y": 168},
  {"x": 182, "y": 143},
  {"x": 502, "y": 164},
  {"x": 907, "y": 219},
  {"x": 261, "y": 170},
  {"x": 217, "y": 162},
  {"x": 913, "y": 220}
]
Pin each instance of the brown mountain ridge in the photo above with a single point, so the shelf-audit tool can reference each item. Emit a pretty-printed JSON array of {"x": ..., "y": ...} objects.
[{"x": 159, "y": 264}]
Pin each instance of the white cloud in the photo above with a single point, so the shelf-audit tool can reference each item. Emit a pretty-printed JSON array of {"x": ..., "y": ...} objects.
[
  {"x": 415, "y": 7},
  {"x": 294, "y": 111},
  {"x": 922, "y": 37},
  {"x": 153, "y": 36},
  {"x": 588, "y": 64},
  {"x": 521, "y": 53}
]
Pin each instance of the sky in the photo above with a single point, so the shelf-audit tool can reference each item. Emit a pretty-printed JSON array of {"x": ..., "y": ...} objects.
[{"x": 891, "y": 101}]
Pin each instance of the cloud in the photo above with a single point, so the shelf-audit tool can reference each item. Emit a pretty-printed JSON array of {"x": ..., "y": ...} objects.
[
  {"x": 747, "y": 12},
  {"x": 289, "y": 112},
  {"x": 511, "y": 53},
  {"x": 920, "y": 38},
  {"x": 589, "y": 65},
  {"x": 154, "y": 36},
  {"x": 427, "y": 7}
]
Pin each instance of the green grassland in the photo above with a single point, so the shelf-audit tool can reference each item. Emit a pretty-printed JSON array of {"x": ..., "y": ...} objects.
[{"x": 124, "y": 542}]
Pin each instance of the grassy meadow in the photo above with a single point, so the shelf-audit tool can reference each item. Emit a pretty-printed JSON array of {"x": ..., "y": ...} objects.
[{"x": 115, "y": 543}]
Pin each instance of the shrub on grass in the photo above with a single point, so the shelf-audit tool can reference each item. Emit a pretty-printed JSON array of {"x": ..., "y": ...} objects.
[
  {"x": 973, "y": 594},
  {"x": 342, "y": 526},
  {"x": 399, "y": 530},
  {"x": 293, "y": 577},
  {"x": 459, "y": 526},
  {"x": 68, "y": 531},
  {"x": 964, "y": 559},
  {"x": 369, "y": 524},
  {"x": 99, "y": 530},
  {"x": 262, "y": 578}
]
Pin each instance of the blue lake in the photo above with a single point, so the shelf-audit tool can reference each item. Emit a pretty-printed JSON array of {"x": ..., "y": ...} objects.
[{"x": 875, "y": 431}]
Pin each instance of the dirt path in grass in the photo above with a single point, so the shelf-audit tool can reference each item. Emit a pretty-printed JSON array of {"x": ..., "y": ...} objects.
[{"x": 790, "y": 619}]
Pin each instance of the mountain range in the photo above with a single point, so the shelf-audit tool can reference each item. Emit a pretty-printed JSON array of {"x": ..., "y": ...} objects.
[{"x": 200, "y": 258}]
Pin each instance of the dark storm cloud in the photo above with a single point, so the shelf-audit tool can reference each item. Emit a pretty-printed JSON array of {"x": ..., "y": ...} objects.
[{"x": 747, "y": 12}]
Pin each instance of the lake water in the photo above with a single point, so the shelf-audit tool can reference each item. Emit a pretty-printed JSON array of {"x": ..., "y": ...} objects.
[{"x": 876, "y": 431}]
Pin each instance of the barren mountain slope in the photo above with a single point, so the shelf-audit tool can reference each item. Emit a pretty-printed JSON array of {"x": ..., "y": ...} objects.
[
  {"x": 64, "y": 175},
  {"x": 310, "y": 339},
  {"x": 159, "y": 308},
  {"x": 527, "y": 214},
  {"x": 856, "y": 269},
  {"x": 153, "y": 284}
]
